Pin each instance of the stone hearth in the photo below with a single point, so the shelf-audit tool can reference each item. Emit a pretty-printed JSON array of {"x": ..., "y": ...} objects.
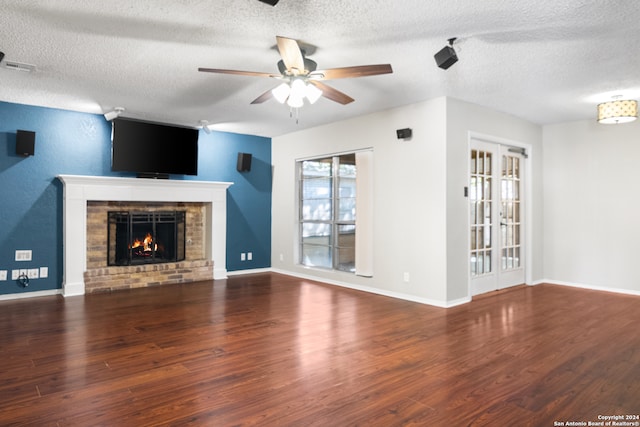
[{"x": 83, "y": 272}]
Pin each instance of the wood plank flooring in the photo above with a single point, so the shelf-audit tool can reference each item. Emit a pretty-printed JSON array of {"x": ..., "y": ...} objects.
[{"x": 268, "y": 349}]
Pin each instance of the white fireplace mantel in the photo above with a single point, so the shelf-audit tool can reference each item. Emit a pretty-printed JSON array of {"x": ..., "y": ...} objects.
[{"x": 78, "y": 190}]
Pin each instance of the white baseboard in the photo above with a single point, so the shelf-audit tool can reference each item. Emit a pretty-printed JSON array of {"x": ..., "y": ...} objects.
[
  {"x": 220, "y": 273},
  {"x": 591, "y": 287},
  {"x": 427, "y": 301},
  {"x": 397, "y": 295},
  {"x": 255, "y": 270},
  {"x": 34, "y": 294},
  {"x": 72, "y": 289}
]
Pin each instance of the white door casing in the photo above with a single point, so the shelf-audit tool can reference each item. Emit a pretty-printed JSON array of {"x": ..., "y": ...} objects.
[{"x": 496, "y": 221}]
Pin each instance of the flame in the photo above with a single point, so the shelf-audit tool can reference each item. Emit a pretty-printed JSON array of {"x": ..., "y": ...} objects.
[{"x": 146, "y": 243}]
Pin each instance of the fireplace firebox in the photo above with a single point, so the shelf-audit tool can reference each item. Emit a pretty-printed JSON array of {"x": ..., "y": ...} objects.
[{"x": 147, "y": 237}]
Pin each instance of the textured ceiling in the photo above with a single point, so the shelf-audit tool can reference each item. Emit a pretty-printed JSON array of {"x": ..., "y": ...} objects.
[{"x": 545, "y": 61}]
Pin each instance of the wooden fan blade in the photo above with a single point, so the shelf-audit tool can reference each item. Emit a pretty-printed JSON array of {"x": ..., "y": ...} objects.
[
  {"x": 348, "y": 72},
  {"x": 237, "y": 72},
  {"x": 291, "y": 54},
  {"x": 332, "y": 94},
  {"x": 262, "y": 98}
]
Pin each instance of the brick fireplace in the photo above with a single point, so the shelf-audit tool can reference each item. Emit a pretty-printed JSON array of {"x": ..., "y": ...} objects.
[{"x": 87, "y": 201}]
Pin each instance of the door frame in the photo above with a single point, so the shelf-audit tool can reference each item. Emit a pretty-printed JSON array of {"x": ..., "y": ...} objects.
[{"x": 528, "y": 206}]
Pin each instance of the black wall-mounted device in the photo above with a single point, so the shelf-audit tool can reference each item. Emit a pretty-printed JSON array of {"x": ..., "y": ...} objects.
[
  {"x": 446, "y": 57},
  {"x": 244, "y": 162},
  {"x": 25, "y": 143},
  {"x": 404, "y": 133}
]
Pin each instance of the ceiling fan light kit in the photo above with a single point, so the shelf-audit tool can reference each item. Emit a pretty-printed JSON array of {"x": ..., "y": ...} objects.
[
  {"x": 296, "y": 92},
  {"x": 618, "y": 111},
  {"x": 281, "y": 93},
  {"x": 312, "y": 93}
]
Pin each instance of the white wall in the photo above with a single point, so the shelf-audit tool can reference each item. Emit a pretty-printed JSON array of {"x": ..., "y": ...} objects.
[
  {"x": 409, "y": 198},
  {"x": 583, "y": 224},
  {"x": 420, "y": 213},
  {"x": 591, "y": 204},
  {"x": 464, "y": 118}
]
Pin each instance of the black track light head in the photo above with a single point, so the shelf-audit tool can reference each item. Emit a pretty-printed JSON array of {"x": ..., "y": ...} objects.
[{"x": 271, "y": 2}]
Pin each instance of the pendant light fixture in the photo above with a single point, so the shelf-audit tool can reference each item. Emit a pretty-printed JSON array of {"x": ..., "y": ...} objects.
[{"x": 618, "y": 111}]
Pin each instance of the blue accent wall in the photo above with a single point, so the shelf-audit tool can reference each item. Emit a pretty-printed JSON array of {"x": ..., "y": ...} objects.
[
  {"x": 248, "y": 199},
  {"x": 74, "y": 143}
]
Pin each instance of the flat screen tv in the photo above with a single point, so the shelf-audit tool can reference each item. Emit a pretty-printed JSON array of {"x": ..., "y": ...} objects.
[{"x": 153, "y": 149}]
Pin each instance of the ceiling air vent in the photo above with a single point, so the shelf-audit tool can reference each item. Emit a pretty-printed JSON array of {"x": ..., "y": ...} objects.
[{"x": 19, "y": 66}]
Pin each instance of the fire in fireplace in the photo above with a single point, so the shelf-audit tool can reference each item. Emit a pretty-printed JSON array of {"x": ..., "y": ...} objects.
[{"x": 145, "y": 237}]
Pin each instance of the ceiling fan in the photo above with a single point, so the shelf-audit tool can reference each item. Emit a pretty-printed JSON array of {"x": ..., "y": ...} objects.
[{"x": 301, "y": 78}]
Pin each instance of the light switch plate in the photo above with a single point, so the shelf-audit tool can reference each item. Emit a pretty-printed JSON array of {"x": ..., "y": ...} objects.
[{"x": 3, "y": 275}]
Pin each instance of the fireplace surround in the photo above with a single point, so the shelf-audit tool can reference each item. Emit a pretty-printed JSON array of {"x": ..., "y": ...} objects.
[{"x": 79, "y": 190}]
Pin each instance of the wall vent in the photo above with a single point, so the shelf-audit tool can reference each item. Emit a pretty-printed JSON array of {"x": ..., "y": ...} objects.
[{"x": 19, "y": 66}]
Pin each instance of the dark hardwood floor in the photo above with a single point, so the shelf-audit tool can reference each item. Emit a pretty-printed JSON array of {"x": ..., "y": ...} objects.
[{"x": 268, "y": 349}]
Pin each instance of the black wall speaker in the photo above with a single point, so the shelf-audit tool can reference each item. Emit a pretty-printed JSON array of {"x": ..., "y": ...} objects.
[
  {"x": 25, "y": 143},
  {"x": 446, "y": 57},
  {"x": 244, "y": 162},
  {"x": 404, "y": 133}
]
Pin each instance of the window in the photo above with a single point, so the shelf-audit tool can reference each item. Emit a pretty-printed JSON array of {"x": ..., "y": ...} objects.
[{"x": 327, "y": 217}]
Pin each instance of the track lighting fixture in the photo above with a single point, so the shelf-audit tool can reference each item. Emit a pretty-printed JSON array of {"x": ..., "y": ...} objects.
[
  {"x": 1, "y": 56},
  {"x": 113, "y": 114},
  {"x": 271, "y": 2},
  {"x": 446, "y": 57}
]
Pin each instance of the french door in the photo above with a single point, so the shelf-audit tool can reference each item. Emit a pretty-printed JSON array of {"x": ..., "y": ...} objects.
[{"x": 496, "y": 226}]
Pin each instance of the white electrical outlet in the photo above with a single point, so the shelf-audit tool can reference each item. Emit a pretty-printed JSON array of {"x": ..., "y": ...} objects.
[
  {"x": 44, "y": 272},
  {"x": 249, "y": 256},
  {"x": 243, "y": 256},
  {"x": 15, "y": 274},
  {"x": 33, "y": 273},
  {"x": 3, "y": 275},
  {"x": 406, "y": 277},
  {"x": 23, "y": 255},
  {"x": 281, "y": 257}
]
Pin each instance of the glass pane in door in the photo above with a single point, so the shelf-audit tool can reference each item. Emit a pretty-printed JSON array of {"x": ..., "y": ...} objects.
[
  {"x": 481, "y": 221},
  {"x": 510, "y": 213}
]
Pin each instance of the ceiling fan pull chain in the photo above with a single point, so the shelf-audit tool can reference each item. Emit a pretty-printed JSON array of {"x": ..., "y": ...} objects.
[{"x": 297, "y": 111}]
